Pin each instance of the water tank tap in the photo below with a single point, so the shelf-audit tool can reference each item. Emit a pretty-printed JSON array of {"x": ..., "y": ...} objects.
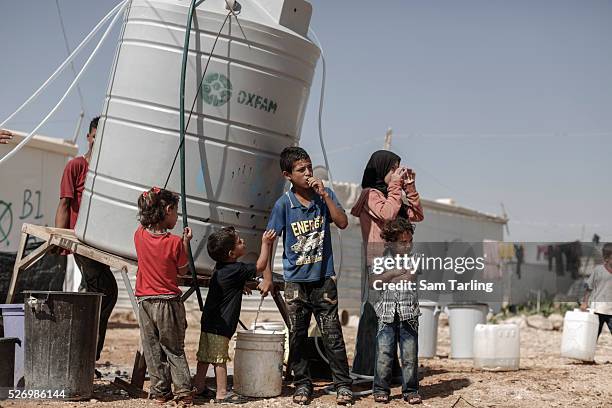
[{"x": 233, "y": 5}]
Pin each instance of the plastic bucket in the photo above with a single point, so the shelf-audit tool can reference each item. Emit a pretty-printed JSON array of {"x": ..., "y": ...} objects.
[
  {"x": 462, "y": 319},
  {"x": 258, "y": 363},
  {"x": 428, "y": 328},
  {"x": 275, "y": 327},
  {"x": 61, "y": 332},
  {"x": 13, "y": 317}
]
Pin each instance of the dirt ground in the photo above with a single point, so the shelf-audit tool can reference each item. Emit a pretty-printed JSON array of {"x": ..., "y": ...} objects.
[{"x": 544, "y": 379}]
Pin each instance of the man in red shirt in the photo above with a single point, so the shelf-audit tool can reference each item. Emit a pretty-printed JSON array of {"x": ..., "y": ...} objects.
[{"x": 97, "y": 277}]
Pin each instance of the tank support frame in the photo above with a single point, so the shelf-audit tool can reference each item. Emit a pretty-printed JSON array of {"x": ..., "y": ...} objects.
[{"x": 66, "y": 239}]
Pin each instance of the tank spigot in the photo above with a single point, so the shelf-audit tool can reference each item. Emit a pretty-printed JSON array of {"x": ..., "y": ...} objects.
[{"x": 233, "y": 5}]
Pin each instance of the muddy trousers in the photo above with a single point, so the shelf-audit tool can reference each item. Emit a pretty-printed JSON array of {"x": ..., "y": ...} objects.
[
  {"x": 321, "y": 299},
  {"x": 162, "y": 332},
  {"x": 98, "y": 278}
]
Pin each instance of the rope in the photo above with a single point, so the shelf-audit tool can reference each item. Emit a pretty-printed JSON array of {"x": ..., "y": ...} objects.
[
  {"x": 64, "y": 64},
  {"x": 61, "y": 21},
  {"x": 196, "y": 98},
  {"x": 72, "y": 85}
]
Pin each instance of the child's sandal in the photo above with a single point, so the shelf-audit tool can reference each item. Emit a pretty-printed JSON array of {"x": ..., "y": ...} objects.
[
  {"x": 344, "y": 396},
  {"x": 413, "y": 398},
  {"x": 162, "y": 399},
  {"x": 184, "y": 401},
  {"x": 302, "y": 395},
  {"x": 206, "y": 393},
  {"x": 231, "y": 398},
  {"x": 381, "y": 398}
]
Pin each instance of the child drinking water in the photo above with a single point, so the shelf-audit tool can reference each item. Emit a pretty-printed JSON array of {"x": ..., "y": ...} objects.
[
  {"x": 398, "y": 313},
  {"x": 161, "y": 313}
]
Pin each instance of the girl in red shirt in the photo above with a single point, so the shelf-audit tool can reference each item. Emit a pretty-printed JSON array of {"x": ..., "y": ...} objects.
[{"x": 161, "y": 313}]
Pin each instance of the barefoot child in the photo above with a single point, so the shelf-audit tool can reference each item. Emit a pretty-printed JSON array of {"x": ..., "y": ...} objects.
[
  {"x": 222, "y": 307},
  {"x": 398, "y": 313},
  {"x": 161, "y": 313}
]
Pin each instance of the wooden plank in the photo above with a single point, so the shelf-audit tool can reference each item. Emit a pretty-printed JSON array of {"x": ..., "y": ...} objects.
[
  {"x": 140, "y": 370},
  {"x": 22, "y": 245},
  {"x": 65, "y": 238},
  {"x": 74, "y": 245},
  {"x": 44, "y": 233},
  {"x": 34, "y": 256},
  {"x": 132, "y": 390},
  {"x": 130, "y": 291}
]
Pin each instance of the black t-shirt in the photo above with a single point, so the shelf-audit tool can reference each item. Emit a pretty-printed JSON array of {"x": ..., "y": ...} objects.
[{"x": 224, "y": 299}]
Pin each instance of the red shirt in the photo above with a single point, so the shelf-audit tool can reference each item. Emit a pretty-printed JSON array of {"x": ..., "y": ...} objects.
[
  {"x": 72, "y": 185},
  {"x": 159, "y": 258}
]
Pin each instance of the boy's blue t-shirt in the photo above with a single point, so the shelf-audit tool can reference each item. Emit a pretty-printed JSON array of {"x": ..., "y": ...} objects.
[{"x": 307, "y": 255}]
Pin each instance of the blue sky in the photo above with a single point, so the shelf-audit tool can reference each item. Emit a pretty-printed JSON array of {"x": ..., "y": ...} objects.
[{"x": 490, "y": 101}]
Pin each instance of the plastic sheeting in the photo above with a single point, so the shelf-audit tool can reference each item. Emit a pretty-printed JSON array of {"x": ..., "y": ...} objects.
[{"x": 46, "y": 274}]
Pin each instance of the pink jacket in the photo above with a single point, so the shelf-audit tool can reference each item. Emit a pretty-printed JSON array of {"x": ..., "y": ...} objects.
[{"x": 373, "y": 209}]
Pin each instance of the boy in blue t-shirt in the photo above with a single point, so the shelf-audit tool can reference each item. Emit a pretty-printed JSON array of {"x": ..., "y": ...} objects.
[{"x": 302, "y": 216}]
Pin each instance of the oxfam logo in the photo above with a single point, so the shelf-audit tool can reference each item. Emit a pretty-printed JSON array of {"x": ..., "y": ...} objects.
[{"x": 216, "y": 89}]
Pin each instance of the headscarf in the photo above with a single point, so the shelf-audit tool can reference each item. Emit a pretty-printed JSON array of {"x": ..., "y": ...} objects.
[{"x": 377, "y": 168}]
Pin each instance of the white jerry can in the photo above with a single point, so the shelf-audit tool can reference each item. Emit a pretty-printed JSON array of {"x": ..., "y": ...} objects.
[
  {"x": 496, "y": 347},
  {"x": 579, "y": 335}
]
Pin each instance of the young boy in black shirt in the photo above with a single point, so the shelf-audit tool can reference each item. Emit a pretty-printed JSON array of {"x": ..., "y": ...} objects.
[{"x": 223, "y": 302}]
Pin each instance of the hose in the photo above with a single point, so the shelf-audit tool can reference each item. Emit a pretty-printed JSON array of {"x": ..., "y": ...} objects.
[
  {"x": 72, "y": 85},
  {"x": 321, "y": 139},
  {"x": 182, "y": 149},
  {"x": 330, "y": 389}
]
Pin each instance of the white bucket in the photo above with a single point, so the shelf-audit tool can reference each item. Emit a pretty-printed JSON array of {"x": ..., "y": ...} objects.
[
  {"x": 462, "y": 319},
  {"x": 258, "y": 363},
  {"x": 497, "y": 347},
  {"x": 428, "y": 328},
  {"x": 275, "y": 327},
  {"x": 579, "y": 335}
]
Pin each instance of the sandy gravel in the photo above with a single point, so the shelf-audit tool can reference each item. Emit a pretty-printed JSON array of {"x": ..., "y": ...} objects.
[{"x": 544, "y": 380}]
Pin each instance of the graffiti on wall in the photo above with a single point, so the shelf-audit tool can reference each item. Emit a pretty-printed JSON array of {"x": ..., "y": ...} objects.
[{"x": 29, "y": 209}]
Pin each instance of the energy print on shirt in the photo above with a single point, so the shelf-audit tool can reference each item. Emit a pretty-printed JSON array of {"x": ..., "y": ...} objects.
[{"x": 310, "y": 239}]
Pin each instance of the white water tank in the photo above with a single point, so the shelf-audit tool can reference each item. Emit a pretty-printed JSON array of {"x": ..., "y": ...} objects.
[
  {"x": 579, "y": 335},
  {"x": 251, "y": 105},
  {"x": 497, "y": 347}
]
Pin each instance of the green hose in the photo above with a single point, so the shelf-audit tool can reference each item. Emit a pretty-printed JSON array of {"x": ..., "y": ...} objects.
[{"x": 182, "y": 148}]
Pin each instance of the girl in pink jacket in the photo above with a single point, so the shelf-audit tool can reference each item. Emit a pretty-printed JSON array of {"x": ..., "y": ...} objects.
[
  {"x": 381, "y": 199},
  {"x": 384, "y": 183}
]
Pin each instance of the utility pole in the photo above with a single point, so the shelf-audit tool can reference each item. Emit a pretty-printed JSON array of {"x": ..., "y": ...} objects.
[
  {"x": 388, "y": 135},
  {"x": 78, "y": 128}
]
